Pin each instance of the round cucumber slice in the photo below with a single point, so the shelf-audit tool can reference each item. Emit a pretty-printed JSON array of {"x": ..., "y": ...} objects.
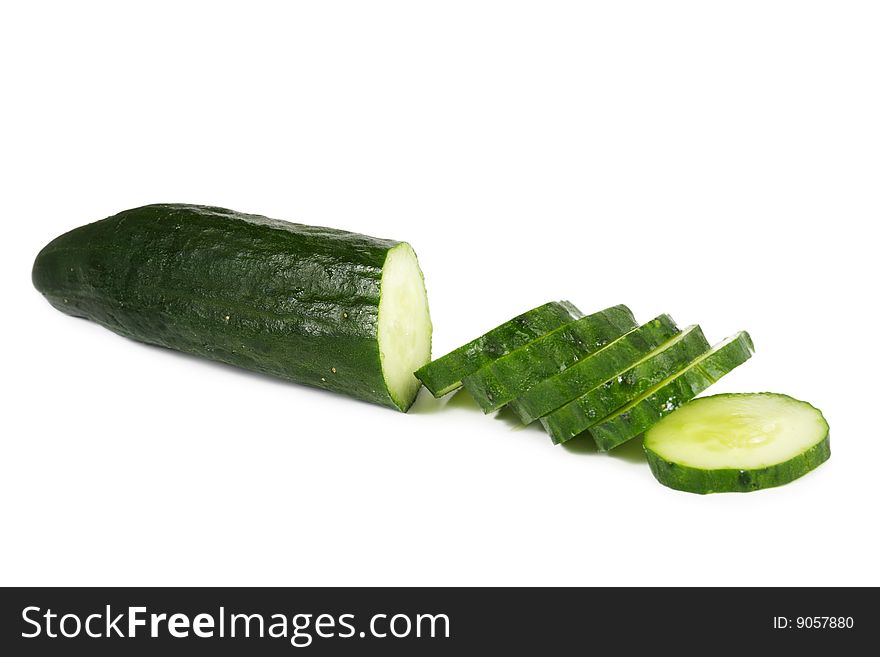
[{"x": 737, "y": 443}]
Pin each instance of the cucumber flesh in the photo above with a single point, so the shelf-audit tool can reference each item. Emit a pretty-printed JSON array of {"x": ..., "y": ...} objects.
[
  {"x": 553, "y": 392},
  {"x": 668, "y": 395},
  {"x": 505, "y": 379},
  {"x": 444, "y": 374},
  {"x": 737, "y": 443},
  {"x": 403, "y": 328},
  {"x": 581, "y": 413}
]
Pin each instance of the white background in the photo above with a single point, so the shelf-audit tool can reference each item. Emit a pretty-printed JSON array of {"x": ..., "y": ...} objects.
[{"x": 717, "y": 161}]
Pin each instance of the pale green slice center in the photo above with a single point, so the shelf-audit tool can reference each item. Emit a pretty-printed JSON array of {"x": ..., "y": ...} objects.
[
  {"x": 745, "y": 432},
  {"x": 404, "y": 324}
]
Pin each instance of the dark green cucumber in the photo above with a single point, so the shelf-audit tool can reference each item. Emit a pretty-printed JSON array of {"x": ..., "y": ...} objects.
[
  {"x": 503, "y": 380},
  {"x": 553, "y": 392},
  {"x": 737, "y": 443},
  {"x": 620, "y": 388},
  {"x": 444, "y": 374},
  {"x": 668, "y": 395},
  {"x": 318, "y": 306}
]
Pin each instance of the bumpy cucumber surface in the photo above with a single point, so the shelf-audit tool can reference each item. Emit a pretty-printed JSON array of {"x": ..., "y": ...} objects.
[
  {"x": 619, "y": 389},
  {"x": 444, "y": 374},
  {"x": 553, "y": 392},
  {"x": 737, "y": 443},
  {"x": 501, "y": 381},
  {"x": 319, "y": 306},
  {"x": 668, "y": 395}
]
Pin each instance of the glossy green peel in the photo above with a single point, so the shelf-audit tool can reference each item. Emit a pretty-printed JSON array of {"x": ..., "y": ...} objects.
[
  {"x": 668, "y": 395},
  {"x": 556, "y": 390},
  {"x": 598, "y": 402},
  {"x": 443, "y": 375},
  {"x": 318, "y": 306},
  {"x": 503, "y": 380}
]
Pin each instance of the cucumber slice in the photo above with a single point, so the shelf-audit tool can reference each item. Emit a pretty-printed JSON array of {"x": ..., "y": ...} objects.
[
  {"x": 443, "y": 375},
  {"x": 551, "y": 393},
  {"x": 737, "y": 443},
  {"x": 668, "y": 395},
  {"x": 503, "y": 380},
  {"x": 621, "y": 388}
]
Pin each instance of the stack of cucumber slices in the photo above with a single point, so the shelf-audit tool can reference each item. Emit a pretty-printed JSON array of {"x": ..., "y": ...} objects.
[{"x": 606, "y": 376}]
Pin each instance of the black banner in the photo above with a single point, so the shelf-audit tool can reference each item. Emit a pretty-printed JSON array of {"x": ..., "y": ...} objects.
[{"x": 394, "y": 621}]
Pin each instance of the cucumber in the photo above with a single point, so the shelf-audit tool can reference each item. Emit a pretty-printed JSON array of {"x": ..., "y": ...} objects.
[
  {"x": 620, "y": 388},
  {"x": 553, "y": 392},
  {"x": 444, "y": 374},
  {"x": 319, "y": 306},
  {"x": 737, "y": 443},
  {"x": 645, "y": 411},
  {"x": 501, "y": 381}
]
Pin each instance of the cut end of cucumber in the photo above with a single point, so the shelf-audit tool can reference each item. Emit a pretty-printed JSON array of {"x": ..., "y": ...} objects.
[
  {"x": 737, "y": 442},
  {"x": 404, "y": 324}
]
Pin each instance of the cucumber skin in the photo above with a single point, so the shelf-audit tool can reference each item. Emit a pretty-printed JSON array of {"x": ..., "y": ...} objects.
[
  {"x": 732, "y": 480},
  {"x": 580, "y": 414},
  {"x": 444, "y": 374},
  {"x": 691, "y": 381},
  {"x": 501, "y": 381},
  {"x": 551, "y": 393},
  {"x": 702, "y": 482},
  {"x": 292, "y": 301}
]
